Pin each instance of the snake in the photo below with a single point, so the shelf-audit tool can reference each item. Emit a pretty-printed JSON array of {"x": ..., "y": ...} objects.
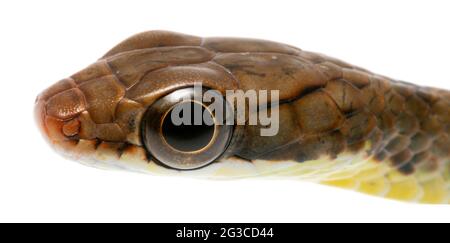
[{"x": 339, "y": 124}]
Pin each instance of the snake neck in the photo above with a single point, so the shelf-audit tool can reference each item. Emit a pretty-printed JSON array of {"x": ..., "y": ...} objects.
[
  {"x": 394, "y": 122},
  {"x": 413, "y": 128}
]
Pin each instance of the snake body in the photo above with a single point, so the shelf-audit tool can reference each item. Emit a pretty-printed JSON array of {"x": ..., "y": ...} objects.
[{"x": 340, "y": 124}]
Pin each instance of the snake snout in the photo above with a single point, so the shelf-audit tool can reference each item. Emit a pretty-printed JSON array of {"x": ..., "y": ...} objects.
[
  {"x": 56, "y": 111},
  {"x": 39, "y": 114}
]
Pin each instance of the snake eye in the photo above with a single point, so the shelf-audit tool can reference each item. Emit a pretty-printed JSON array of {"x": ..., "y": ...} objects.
[{"x": 183, "y": 132}]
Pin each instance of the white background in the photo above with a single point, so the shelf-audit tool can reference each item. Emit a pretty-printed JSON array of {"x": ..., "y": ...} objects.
[{"x": 44, "y": 41}]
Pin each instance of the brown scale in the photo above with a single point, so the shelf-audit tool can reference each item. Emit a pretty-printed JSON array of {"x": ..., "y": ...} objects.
[{"x": 327, "y": 106}]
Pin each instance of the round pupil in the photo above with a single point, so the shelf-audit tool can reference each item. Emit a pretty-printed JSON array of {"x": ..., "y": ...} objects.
[{"x": 195, "y": 131}]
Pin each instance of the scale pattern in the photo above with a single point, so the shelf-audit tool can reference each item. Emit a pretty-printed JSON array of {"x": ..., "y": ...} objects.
[{"x": 328, "y": 109}]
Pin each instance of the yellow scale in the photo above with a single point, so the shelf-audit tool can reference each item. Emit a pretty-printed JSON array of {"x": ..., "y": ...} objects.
[{"x": 350, "y": 171}]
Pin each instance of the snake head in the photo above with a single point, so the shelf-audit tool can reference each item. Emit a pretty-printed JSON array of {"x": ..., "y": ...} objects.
[
  {"x": 115, "y": 109},
  {"x": 97, "y": 113}
]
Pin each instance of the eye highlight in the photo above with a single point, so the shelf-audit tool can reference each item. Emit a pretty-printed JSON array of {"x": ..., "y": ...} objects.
[
  {"x": 189, "y": 137},
  {"x": 183, "y": 133}
]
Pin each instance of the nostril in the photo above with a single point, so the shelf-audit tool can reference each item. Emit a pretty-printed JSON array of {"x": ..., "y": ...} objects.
[
  {"x": 71, "y": 128},
  {"x": 50, "y": 127}
]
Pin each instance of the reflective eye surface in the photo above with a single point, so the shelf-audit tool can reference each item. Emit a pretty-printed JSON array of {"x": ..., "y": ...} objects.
[
  {"x": 185, "y": 137},
  {"x": 182, "y": 132}
]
